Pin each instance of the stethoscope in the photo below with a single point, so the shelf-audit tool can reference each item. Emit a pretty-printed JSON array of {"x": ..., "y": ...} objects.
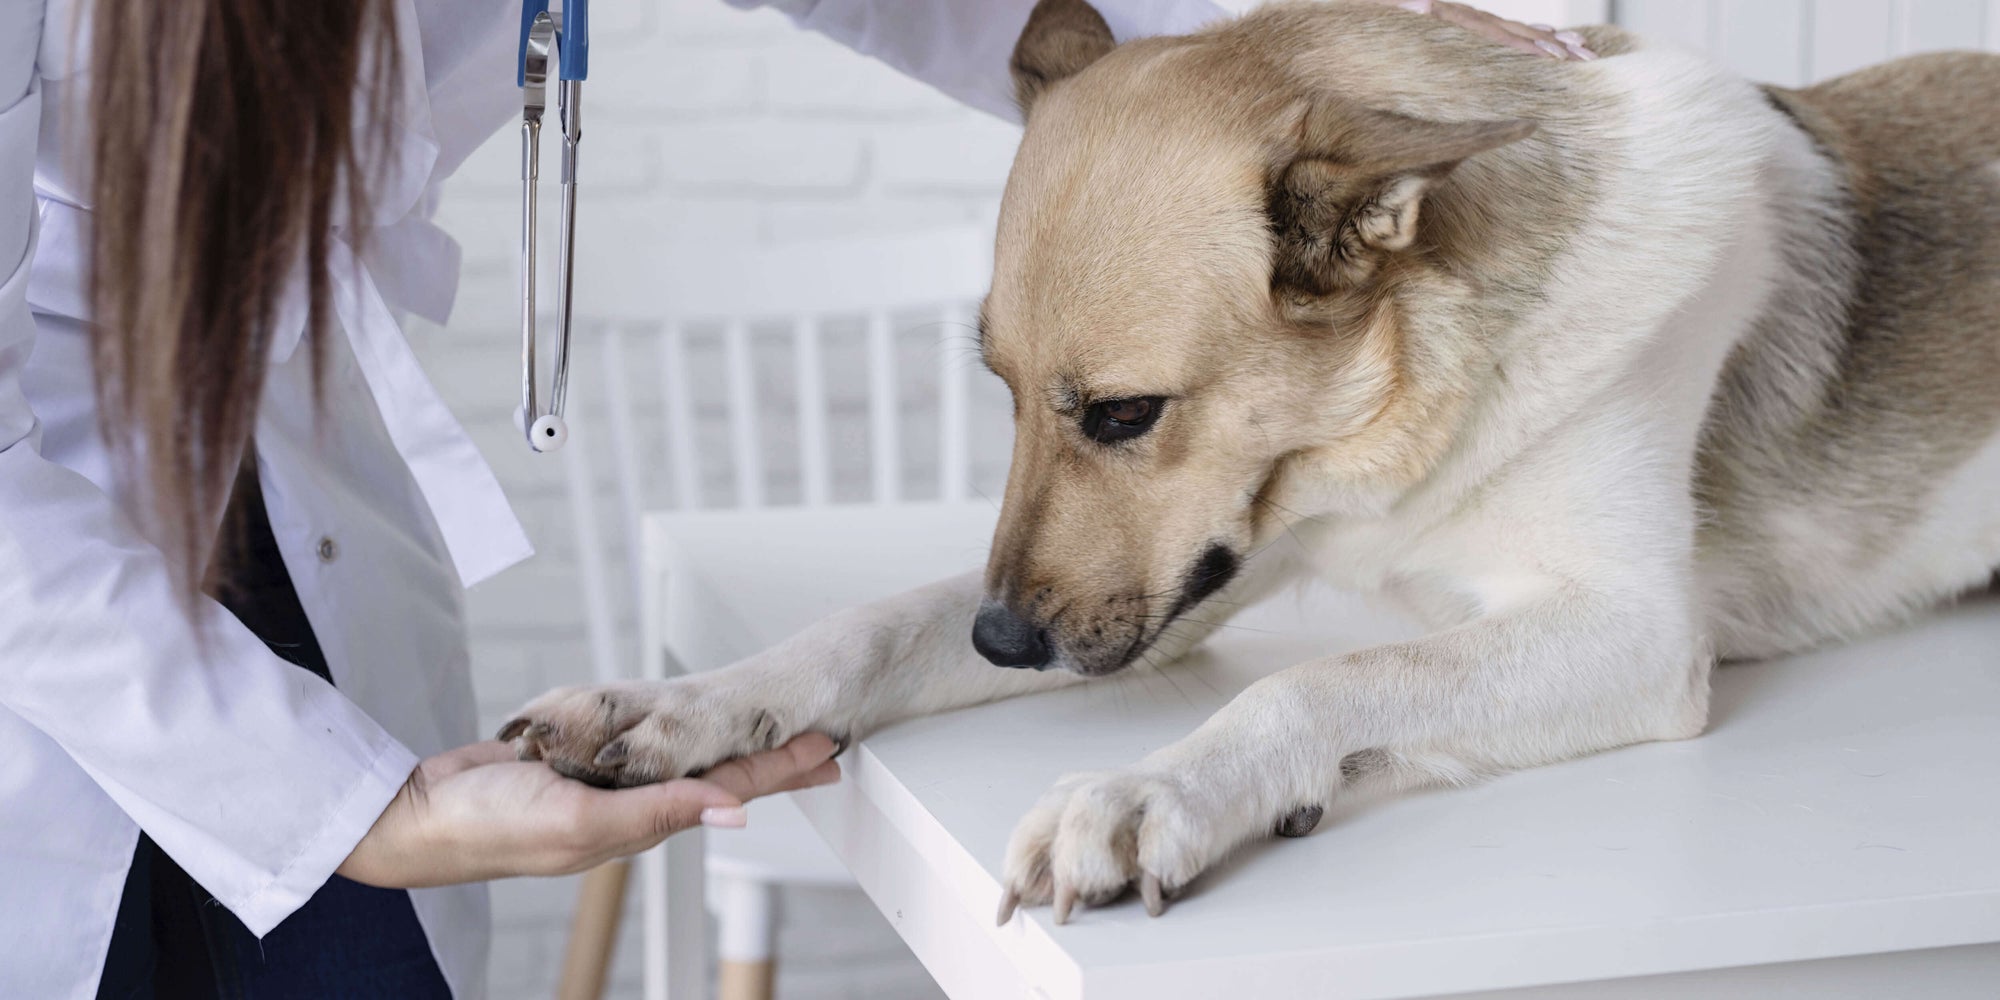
[{"x": 567, "y": 34}]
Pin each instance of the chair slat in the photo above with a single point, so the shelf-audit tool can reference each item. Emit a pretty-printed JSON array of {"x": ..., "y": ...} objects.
[
  {"x": 815, "y": 487},
  {"x": 745, "y": 454},
  {"x": 579, "y": 481},
  {"x": 682, "y": 457},
  {"x": 885, "y": 446},
  {"x": 954, "y": 462},
  {"x": 624, "y": 450}
]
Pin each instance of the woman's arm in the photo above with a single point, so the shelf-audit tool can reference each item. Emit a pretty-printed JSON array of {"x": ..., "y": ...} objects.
[{"x": 255, "y": 776}]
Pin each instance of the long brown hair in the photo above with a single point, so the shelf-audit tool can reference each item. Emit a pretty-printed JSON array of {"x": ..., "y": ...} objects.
[{"x": 224, "y": 151}]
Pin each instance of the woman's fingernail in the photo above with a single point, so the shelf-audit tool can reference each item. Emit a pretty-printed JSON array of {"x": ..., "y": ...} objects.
[
  {"x": 1569, "y": 38},
  {"x": 1582, "y": 53},
  {"x": 1550, "y": 48},
  {"x": 725, "y": 817}
]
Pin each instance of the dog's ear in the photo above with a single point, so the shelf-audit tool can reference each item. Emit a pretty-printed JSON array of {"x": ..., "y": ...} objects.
[
  {"x": 1348, "y": 195},
  {"x": 1061, "y": 38}
]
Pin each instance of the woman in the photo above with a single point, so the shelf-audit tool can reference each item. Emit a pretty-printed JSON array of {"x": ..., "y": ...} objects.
[{"x": 235, "y": 519}]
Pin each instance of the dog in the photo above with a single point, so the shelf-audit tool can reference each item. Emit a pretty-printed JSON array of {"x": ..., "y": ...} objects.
[{"x": 1608, "y": 370}]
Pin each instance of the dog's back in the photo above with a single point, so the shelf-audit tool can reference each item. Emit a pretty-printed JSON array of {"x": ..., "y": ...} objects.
[{"x": 1850, "y": 463}]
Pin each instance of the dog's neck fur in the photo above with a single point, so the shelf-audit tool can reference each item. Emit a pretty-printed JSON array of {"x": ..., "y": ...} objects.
[{"x": 1631, "y": 171}]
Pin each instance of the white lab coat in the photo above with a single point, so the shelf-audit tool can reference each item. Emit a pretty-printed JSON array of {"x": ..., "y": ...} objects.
[{"x": 255, "y": 776}]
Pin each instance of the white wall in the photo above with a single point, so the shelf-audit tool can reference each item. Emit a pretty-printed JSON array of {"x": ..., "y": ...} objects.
[
  {"x": 715, "y": 126},
  {"x": 1794, "y": 42}
]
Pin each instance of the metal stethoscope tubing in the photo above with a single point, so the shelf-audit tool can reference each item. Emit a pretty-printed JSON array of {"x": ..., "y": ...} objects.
[{"x": 546, "y": 430}]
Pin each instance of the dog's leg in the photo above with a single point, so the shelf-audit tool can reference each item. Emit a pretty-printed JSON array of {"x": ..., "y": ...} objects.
[
  {"x": 851, "y": 673},
  {"x": 1562, "y": 677}
]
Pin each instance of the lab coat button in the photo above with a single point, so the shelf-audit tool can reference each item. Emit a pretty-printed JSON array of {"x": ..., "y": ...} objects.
[{"x": 327, "y": 550}]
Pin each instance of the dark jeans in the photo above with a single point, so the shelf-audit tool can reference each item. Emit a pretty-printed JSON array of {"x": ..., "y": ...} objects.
[{"x": 173, "y": 941}]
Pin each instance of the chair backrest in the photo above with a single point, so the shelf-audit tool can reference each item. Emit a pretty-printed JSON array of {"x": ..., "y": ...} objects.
[
  {"x": 803, "y": 375},
  {"x": 746, "y": 363}
]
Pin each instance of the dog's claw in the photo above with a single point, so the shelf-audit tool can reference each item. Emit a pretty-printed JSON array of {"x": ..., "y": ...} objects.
[
  {"x": 1149, "y": 890},
  {"x": 1065, "y": 900},
  {"x": 1300, "y": 821},
  {"x": 614, "y": 752},
  {"x": 513, "y": 728},
  {"x": 1009, "y": 901}
]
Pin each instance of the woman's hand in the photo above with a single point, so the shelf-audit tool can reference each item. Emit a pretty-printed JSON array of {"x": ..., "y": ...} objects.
[
  {"x": 477, "y": 813},
  {"x": 1537, "y": 38}
]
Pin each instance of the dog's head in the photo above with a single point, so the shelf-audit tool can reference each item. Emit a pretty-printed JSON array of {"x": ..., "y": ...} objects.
[{"x": 1202, "y": 284}]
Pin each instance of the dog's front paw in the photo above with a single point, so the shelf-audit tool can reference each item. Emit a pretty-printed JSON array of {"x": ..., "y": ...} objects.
[
  {"x": 1095, "y": 835},
  {"x": 640, "y": 732}
]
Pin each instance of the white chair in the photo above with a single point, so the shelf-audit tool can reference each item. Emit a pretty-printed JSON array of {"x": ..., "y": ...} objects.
[{"x": 677, "y": 338}]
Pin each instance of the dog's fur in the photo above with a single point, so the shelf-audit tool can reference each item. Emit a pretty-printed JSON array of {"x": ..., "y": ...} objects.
[{"x": 1609, "y": 370}]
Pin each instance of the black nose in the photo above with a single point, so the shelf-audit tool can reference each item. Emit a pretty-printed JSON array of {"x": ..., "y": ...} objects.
[{"x": 1008, "y": 640}]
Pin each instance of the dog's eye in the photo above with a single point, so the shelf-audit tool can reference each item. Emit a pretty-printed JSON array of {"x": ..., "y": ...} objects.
[{"x": 1119, "y": 419}]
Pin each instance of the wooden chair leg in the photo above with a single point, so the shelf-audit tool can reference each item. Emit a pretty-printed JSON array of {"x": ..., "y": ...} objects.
[
  {"x": 745, "y": 980},
  {"x": 746, "y": 912},
  {"x": 593, "y": 932}
]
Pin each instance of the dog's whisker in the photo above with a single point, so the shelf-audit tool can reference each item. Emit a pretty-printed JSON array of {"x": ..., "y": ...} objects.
[
  {"x": 983, "y": 496},
  {"x": 1169, "y": 678},
  {"x": 1293, "y": 535}
]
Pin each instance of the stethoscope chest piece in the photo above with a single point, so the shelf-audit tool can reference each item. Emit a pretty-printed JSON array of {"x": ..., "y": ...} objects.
[{"x": 566, "y": 35}]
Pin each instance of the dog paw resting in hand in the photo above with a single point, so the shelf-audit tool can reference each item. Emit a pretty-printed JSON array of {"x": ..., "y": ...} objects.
[{"x": 640, "y": 732}]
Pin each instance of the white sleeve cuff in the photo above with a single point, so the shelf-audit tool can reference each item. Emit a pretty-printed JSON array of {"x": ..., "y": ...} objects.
[{"x": 353, "y": 815}]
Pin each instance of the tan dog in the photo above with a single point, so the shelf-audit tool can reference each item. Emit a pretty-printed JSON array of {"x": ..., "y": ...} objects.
[{"x": 1607, "y": 369}]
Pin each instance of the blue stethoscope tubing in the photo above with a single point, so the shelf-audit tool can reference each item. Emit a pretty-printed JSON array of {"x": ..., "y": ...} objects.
[{"x": 566, "y": 35}]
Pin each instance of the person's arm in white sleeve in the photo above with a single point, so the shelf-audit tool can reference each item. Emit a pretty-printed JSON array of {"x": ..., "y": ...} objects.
[
  {"x": 962, "y": 47},
  {"x": 257, "y": 777}
]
